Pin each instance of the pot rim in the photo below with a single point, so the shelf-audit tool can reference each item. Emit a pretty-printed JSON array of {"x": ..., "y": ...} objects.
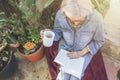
[{"x": 41, "y": 46}]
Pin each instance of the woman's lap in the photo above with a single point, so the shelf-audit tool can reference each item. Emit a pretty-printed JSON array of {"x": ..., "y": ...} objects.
[{"x": 94, "y": 71}]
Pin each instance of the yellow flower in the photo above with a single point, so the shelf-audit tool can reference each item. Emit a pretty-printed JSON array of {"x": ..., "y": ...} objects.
[{"x": 29, "y": 45}]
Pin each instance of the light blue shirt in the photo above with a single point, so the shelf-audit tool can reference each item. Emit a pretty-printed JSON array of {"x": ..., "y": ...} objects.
[{"x": 90, "y": 34}]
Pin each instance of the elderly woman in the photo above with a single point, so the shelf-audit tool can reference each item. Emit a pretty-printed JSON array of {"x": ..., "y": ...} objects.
[{"x": 79, "y": 29}]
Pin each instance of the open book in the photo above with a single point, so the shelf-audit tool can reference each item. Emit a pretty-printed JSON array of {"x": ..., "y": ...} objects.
[{"x": 71, "y": 66}]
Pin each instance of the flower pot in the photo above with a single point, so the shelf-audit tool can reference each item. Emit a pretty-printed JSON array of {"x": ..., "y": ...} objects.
[
  {"x": 9, "y": 69},
  {"x": 35, "y": 56},
  {"x": 14, "y": 45}
]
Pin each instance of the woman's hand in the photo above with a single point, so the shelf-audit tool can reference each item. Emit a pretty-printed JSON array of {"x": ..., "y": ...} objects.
[
  {"x": 74, "y": 55},
  {"x": 77, "y": 54},
  {"x": 42, "y": 32}
]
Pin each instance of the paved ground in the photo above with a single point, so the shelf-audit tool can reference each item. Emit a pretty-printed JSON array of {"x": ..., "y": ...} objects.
[
  {"x": 31, "y": 71},
  {"x": 39, "y": 70}
]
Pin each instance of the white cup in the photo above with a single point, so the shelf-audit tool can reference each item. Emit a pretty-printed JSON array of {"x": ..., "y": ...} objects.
[{"x": 48, "y": 38}]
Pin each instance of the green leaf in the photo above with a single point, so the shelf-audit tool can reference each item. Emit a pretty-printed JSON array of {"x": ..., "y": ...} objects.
[{"x": 48, "y": 3}]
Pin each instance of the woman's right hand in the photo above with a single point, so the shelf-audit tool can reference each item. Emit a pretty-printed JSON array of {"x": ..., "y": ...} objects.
[{"x": 42, "y": 32}]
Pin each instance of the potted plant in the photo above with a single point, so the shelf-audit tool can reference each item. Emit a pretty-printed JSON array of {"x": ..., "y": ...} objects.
[
  {"x": 30, "y": 45},
  {"x": 8, "y": 31},
  {"x": 8, "y": 63},
  {"x": 19, "y": 28},
  {"x": 24, "y": 25},
  {"x": 29, "y": 39},
  {"x": 30, "y": 42}
]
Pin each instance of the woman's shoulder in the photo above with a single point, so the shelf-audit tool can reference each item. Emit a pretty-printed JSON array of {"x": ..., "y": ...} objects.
[
  {"x": 59, "y": 15},
  {"x": 96, "y": 16}
]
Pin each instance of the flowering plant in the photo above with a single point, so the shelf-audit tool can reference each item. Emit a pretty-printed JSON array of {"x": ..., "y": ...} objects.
[
  {"x": 24, "y": 22},
  {"x": 29, "y": 41}
]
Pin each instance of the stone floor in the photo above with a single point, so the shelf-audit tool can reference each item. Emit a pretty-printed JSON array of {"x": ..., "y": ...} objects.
[
  {"x": 31, "y": 70},
  {"x": 39, "y": 70}
]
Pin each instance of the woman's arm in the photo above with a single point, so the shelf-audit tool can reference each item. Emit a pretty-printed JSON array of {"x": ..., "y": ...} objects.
[
  {"x": 98, "y": 40},
  {"x": 57, "y": 28}
]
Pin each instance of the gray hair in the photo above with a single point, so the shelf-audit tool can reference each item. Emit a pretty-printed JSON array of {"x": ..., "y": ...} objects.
[{"x": 76, "y": 8}]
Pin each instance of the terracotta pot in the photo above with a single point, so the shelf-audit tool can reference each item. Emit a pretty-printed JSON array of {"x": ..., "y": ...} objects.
[
  {"x": 14, "y": 45},
  {"x": 34, "y": 57}
]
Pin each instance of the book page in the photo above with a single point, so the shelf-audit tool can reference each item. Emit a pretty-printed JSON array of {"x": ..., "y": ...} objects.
[
  {"x": 62, "y": 58},
  {"x": 71, "y": 66},
  {"x": 74, "y": 67}
]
